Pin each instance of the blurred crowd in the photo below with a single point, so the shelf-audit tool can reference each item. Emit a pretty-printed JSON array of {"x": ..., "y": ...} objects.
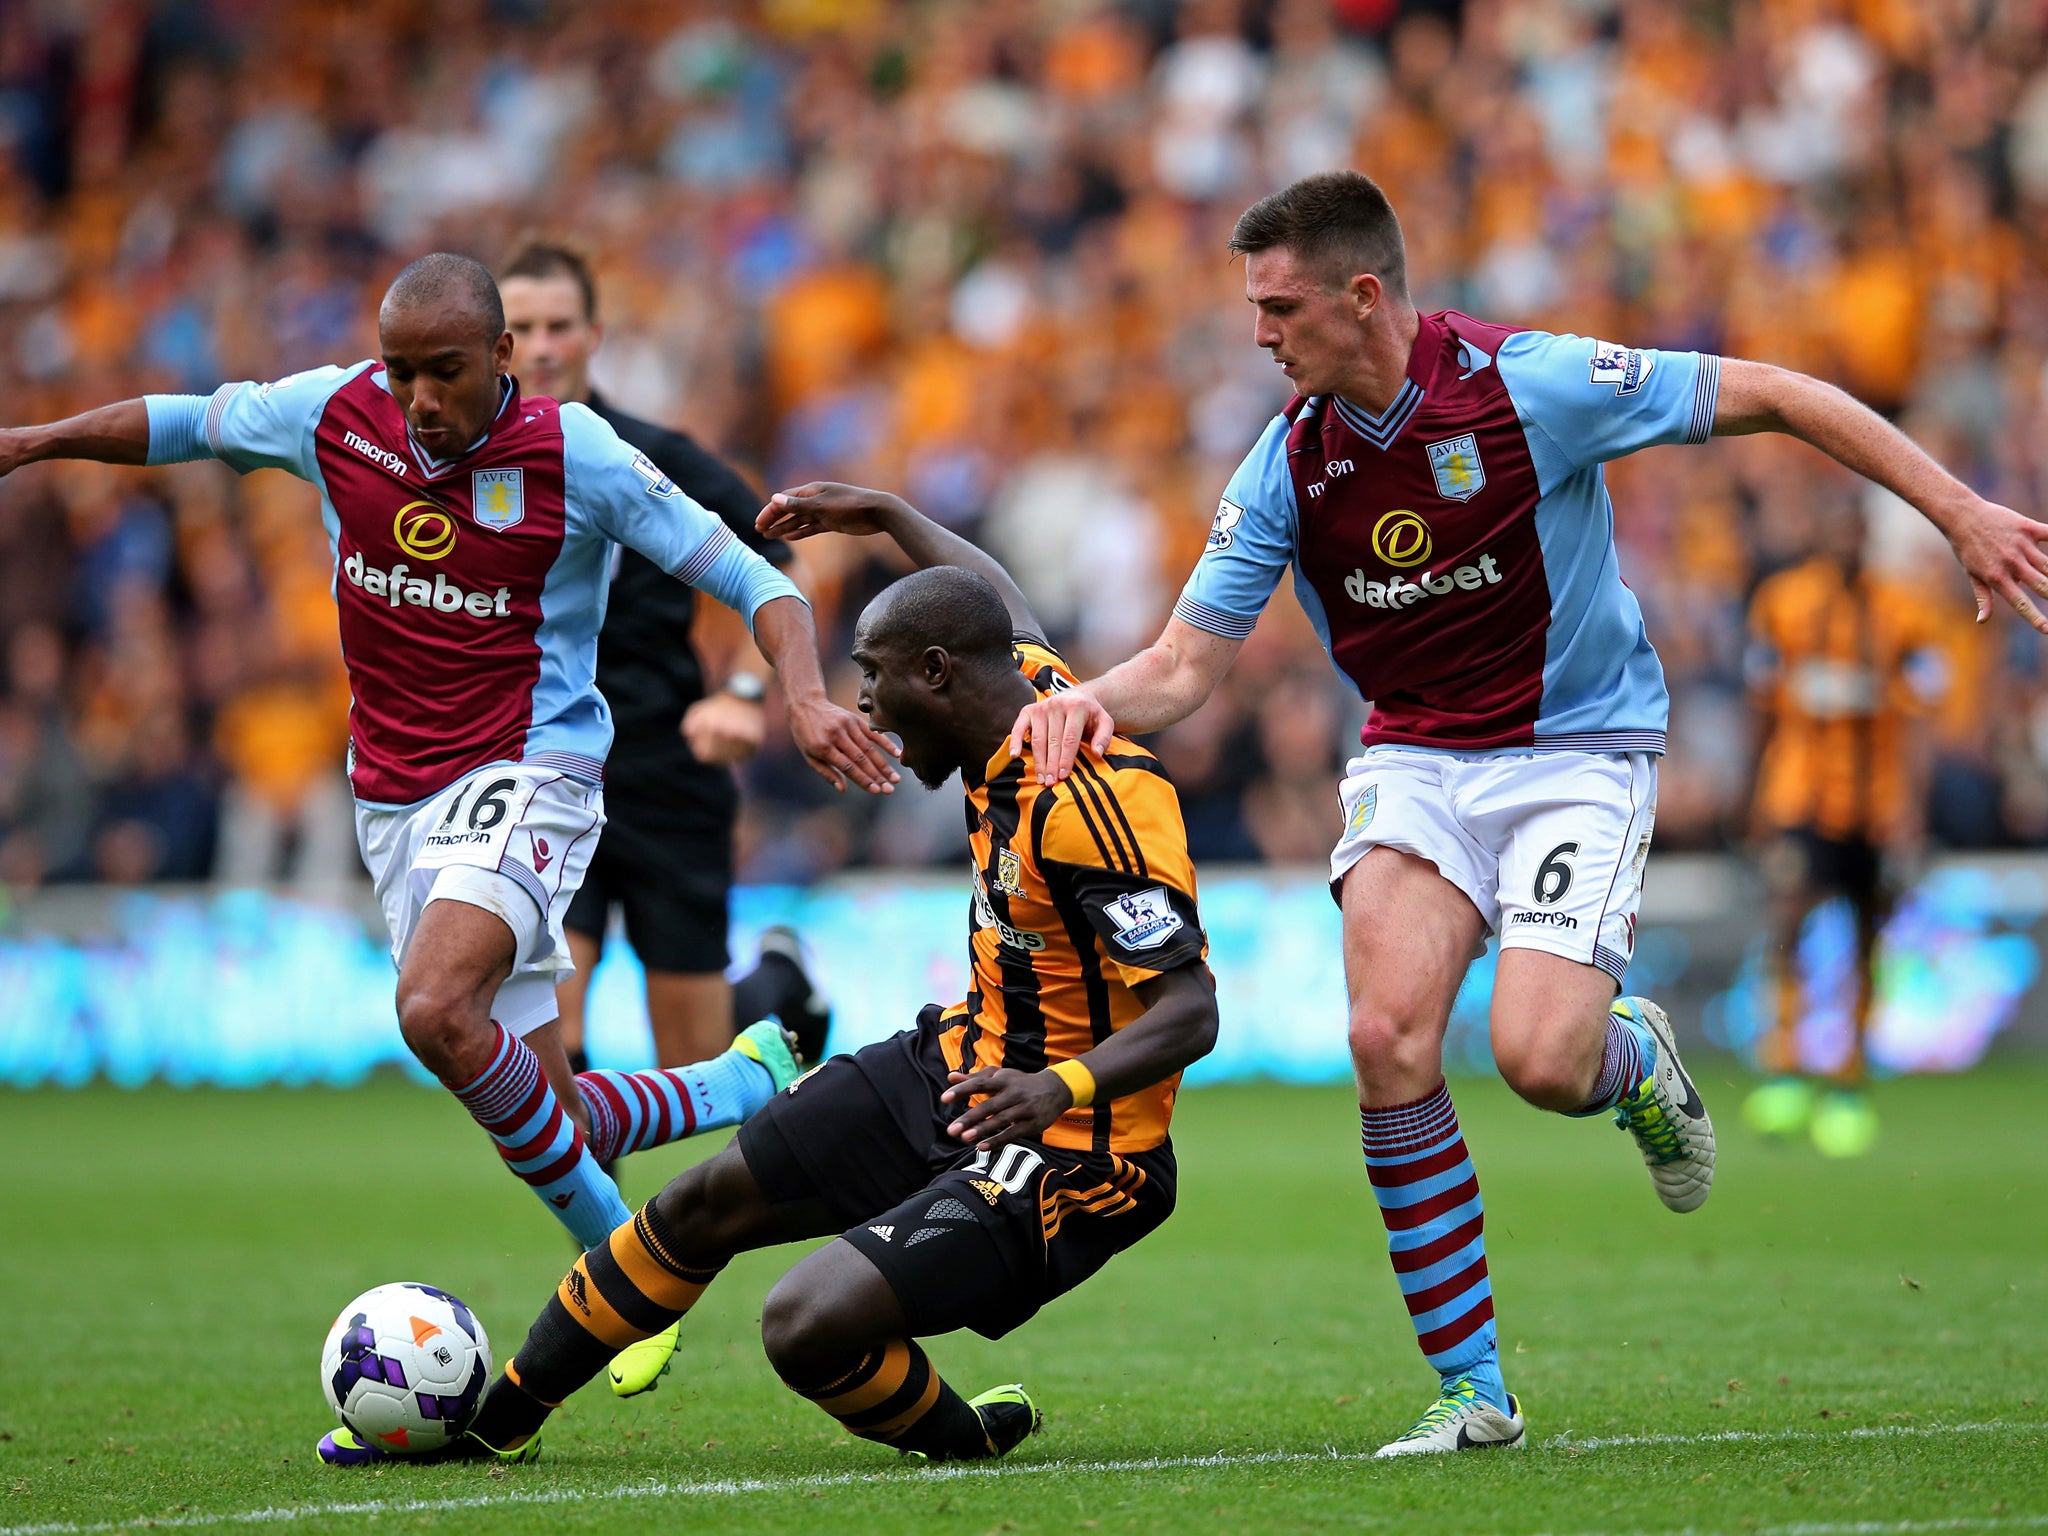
[{"x": 974, "y": 252}]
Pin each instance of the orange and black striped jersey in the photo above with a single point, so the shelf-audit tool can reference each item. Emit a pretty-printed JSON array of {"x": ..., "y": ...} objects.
[
  {"x": 1082, "y": 891},
  {"x": 1840, "y": 668}
]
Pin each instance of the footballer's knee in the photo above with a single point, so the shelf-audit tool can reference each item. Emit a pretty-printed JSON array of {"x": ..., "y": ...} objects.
[
  {"x": 804, "y": 1327},
  {"x": 1391, "y": 1052},
  {"x": 444, "y": 1027},
  {"x": 1551, "y": 1068},
  {"x": 832, "y": 1305}
]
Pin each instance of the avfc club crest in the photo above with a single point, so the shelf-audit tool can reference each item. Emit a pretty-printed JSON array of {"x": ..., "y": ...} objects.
[
  {"x": 1455, "y": 463},
  {"x": 498, "y": 498},
  {"x": 1362, "y": 812}
]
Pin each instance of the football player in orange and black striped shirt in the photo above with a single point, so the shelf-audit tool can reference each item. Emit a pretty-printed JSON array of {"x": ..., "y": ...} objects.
[{"x": 1003, "y": 1150}]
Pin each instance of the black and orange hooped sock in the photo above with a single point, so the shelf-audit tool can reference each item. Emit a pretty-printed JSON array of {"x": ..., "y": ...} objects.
[
  {"x": 891, "y": 1395},
  {"x": 627, "y": 1289}
]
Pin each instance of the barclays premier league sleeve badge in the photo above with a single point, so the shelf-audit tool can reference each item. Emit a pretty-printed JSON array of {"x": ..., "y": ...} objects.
[
  {"x": 1626, "y": 368},
  {"x": 1223, "y": 532},
  {"x": 1144, "y": 919},
  {"x": 498, "y": 498}
]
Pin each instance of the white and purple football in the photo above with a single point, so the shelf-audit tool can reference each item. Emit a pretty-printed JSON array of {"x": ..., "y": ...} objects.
[{"x": 405, "y": 1367}]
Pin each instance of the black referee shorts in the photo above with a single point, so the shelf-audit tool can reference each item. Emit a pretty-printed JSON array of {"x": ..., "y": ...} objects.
[
  {"x": 966, "y": 1238},
  {"x": 1850, "y": 866},
  {"x": 675, "y": 888}
]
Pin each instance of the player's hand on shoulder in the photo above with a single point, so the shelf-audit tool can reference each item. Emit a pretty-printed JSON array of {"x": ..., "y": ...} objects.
[
  {"x": 2005, "y": 553},
  {"x": 841, "y": 745},
  {"x": 1003, "y": 1104},
  {"x": 824, "y": 506},
  {"x": 1056, "y": 728},
  {"x": 722, "y": 730}
]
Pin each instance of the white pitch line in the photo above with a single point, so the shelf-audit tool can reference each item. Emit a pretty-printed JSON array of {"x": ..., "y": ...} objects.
[{"x": 1219, "y": 1460}]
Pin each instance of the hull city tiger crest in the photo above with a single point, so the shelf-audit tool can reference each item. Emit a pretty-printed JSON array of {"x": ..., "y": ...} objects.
[
  {"x": 1455, "y": 463},
  {"x": 1009, "y": 872},
  {"x": 498, "y": 498}
]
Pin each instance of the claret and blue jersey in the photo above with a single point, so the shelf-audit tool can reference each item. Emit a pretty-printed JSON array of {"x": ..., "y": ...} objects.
[
  {"x": 470, "y": 590},
  {"x": 1456, "y": 553}
]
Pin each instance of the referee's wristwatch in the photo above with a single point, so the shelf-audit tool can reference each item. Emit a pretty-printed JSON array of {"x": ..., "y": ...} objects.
[{"x": 747, "y": 686}]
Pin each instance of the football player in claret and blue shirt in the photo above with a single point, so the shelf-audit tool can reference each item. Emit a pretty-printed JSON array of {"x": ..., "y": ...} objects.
[
  {"x": 472, "y": 528},
  {"x": 1436, "y": 489}
]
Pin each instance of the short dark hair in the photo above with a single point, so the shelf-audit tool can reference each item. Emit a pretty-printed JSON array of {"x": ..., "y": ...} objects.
[
  {"x": 440, "y": 276},
  {"x": 554, "y": 258},
  {"x": 946, "y": 606},
  {"x": 1339, "y": 220}
]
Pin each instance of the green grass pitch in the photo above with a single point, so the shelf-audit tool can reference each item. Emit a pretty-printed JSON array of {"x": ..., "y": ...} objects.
[{"x": 1825, "y": 1348}]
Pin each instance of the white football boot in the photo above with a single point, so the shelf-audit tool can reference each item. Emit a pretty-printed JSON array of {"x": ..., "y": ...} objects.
[
  {"x": 1664, "y": 1114},
  {"x": 1461, "y": 1420}
]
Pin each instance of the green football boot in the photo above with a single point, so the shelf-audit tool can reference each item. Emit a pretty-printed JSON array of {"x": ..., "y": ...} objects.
[
  {"x": 1008, "y": 1417},
  {"x": 772, "y": 1046},
  {"x": 1780, "y": 1107},
  {"x": 1844, "y": 1124},
  {"x": 639, "y": 1367},
  {"x": 526, "y": 1450}
]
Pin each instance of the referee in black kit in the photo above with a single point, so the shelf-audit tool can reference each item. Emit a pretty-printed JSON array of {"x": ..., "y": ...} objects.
[{"x": 670, "y": 799}]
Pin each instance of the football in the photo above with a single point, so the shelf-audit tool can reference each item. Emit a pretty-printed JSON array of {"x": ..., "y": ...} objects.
[{"x": 405, "y": 1367}]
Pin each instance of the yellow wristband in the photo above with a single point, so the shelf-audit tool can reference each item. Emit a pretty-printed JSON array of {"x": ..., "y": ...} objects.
[{"x": 1077, "y": 1078}]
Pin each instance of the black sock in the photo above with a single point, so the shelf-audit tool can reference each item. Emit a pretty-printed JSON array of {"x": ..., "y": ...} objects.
[{"x": 579, "y": 1061}]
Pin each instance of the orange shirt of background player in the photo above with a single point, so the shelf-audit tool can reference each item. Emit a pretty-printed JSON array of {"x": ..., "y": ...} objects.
[{"x": 1839, "y": 700}]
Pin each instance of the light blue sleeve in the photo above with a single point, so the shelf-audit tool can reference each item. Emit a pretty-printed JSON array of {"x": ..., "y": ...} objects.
[
  {"x": 626, "y": 498},
  {"x": 1251, "y": 543},
  {"x": 246, "y": 426},
  {"x": 1582, "y": 402}
]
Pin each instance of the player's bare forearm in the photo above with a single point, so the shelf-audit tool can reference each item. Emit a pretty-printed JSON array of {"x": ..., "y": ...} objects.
[
  {"x": 112, "y": 434},
  {"x": 2001, "y": 550},
  {"x": 1177, "y": 1029},
  {"x": 826, "y": 506},
  {"x": 1166, "y": 682},
  {"x": 1758, "y": 397},
  {"x": 839, "y": 744}
]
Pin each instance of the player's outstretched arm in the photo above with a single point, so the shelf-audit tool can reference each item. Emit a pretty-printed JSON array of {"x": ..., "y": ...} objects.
[
  {"x": 825, "y": 506},
  {"x": 113, "y": 434},
  {"x": 1164, "y": 683},
  {"x": 839, "y": 744},
  {"x": 1177, "y": 1028},
  {"x": 2002, "y": 551}
]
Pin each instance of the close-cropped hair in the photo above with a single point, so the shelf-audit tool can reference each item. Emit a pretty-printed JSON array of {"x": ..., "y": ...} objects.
[{"x": 1339, "y": 221}]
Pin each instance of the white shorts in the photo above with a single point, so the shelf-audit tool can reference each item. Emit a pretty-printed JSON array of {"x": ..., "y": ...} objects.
[
  {"x": 1549, "y": 846},
  {"x": 514, "y": 839}
]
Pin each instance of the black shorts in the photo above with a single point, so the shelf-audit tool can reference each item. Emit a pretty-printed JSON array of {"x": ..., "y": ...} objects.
[
  {"x": 1850, "y": 866},
  {"x": 967, "y": 1238},
  {"x": 674, "y": 887}
]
